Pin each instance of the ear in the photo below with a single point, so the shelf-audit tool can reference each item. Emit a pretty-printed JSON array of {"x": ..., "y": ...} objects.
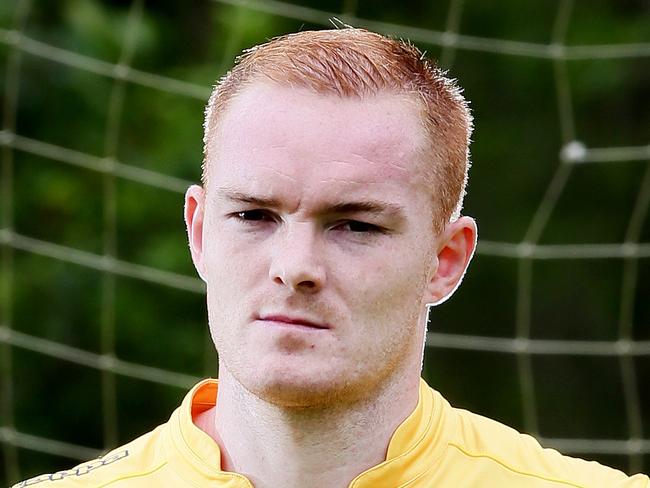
[
  {"x": 194, "y": 213},
  {"x": 456, "y": 246}
]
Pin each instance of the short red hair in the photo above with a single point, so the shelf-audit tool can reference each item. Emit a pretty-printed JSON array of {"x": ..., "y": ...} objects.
[{"x": 357, "y": 63}]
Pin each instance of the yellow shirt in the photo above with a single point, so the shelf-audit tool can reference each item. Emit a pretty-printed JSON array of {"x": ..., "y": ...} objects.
[{"x": 436, "y": 446}]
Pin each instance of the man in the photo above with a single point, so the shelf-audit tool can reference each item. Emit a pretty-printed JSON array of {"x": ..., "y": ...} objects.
[{"x": 328, "y": 222}]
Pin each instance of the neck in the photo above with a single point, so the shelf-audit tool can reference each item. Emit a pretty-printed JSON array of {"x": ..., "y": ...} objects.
[{"x": 328, "y": 447}]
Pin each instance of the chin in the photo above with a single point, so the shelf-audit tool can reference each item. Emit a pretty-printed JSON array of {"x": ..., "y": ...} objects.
[
  {"x": 298, "y": 389},
  {"x": 293, "y": 396},
  {"x": 291, "y": 384}
]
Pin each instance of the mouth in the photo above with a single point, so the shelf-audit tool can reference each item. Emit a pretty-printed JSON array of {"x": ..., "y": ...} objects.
[{"x": 284, "y": 320}]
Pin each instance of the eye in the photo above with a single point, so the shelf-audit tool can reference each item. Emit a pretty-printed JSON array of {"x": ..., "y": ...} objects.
[
  {"x": 252, "y": 216},
  {"x": 358, "y": 227}
]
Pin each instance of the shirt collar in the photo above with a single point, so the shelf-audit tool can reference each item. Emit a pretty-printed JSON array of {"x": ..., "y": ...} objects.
[
  {"x": 414, "y": 448},
  {"x": 192, "y": 453}
]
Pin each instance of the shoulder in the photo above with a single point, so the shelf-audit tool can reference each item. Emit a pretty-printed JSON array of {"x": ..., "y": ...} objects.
[
  {"x": 138, "y": 459},
  {"x": 494, "y": 448}
]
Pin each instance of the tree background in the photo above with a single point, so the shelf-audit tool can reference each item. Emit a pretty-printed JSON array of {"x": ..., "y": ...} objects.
[{"x": 102, "y": 105}]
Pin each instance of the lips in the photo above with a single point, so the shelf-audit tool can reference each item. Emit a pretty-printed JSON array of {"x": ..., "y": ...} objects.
[{"x": 293, "y": 321}]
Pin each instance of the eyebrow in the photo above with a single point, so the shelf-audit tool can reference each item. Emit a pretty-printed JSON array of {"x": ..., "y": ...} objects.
[
  {"x": 375, "y": 207},
  {"x": 239, "y": 197}
]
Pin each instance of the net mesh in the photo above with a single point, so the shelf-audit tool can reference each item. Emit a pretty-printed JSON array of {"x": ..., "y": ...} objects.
[{"x": 522, "y": 346}]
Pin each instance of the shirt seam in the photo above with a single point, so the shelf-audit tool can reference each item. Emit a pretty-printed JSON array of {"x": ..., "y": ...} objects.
[
  {"x": 136, "y": 475},
  {"x": 421, "y": 475},
  {"x": 515, "y": 470}
]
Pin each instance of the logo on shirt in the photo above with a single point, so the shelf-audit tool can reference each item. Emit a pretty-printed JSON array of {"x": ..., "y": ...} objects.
[{"x": 79, "y": 471}]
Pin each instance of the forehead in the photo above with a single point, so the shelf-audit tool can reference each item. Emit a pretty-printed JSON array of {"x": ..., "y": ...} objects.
[{"x": 272, "y": 133}]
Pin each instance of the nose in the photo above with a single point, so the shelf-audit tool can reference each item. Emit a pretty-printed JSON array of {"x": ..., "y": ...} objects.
[{"x": 297, "y": 262}]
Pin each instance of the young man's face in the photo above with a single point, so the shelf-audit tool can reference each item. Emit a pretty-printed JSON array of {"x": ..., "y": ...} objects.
[{"x": 316, "y": 214}]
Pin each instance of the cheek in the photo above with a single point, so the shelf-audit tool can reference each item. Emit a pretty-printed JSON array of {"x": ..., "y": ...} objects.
[
  {"x": 228, "y": 272},
  {"x": 227, "y": 260},
  {"x": 390, "y": 290}
]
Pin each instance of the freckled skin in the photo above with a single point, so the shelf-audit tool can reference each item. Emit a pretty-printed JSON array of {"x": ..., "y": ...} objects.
[{"x": 307, "y": 150}]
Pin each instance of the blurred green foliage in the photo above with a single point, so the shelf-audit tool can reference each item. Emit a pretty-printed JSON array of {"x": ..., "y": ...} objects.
[{"x": 515, "y": 155}]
